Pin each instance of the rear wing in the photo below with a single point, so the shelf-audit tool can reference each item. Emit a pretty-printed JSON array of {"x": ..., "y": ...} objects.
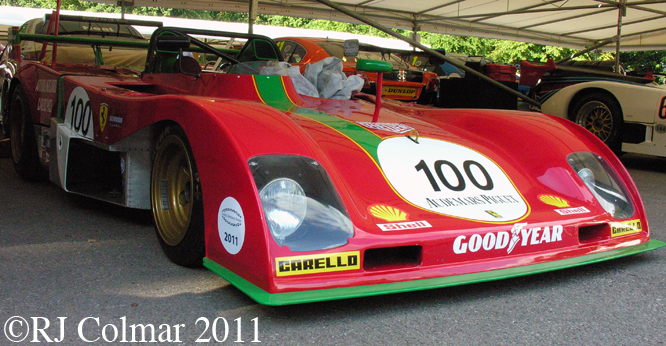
[
  {"x": 133, "y": 22},
  {"x": 531, "y": 73}
]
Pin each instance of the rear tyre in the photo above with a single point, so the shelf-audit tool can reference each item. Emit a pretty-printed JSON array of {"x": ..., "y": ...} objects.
[
  {"x": 22, "y": 139},
  {"x": 601, "y": 115},
  {"x": 177, "y": 203}
]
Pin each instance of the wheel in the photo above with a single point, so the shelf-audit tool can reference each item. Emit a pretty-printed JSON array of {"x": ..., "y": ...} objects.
[
  {"x": 22, "y": 139},
  {"x": 601, "y": 115},
  {"x": 177, "y": 203}
]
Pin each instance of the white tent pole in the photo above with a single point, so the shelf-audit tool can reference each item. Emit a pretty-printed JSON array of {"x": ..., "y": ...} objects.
[
  {"x": 622, "y": 11},
  {"x": 252, "y": 15}
]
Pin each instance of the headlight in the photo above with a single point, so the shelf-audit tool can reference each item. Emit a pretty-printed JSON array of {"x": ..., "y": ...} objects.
[
  {"x": 603, "y": 182},
  {"x": 284, "y": 204},
  {"x": 301, "y": 207}
]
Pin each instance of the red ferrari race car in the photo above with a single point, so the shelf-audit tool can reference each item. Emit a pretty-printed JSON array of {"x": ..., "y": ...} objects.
[
  {"x": 404, "y": 82},
  {"x": 296, "y": 199}
]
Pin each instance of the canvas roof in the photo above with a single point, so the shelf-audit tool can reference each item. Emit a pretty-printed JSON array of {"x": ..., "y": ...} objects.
[{"x": 567, "y": 23}]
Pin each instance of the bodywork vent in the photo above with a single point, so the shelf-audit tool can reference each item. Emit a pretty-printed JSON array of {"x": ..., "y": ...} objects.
[{"x": 392, "y": 258}]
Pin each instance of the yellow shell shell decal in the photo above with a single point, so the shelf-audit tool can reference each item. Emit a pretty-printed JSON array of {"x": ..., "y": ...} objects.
[
  {"x": 388, "y": 213},
  {"x": 554, "y": 201}
]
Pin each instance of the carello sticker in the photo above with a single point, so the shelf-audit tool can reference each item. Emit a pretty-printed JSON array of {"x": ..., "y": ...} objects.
[
  {"x": 625, "y": 227},
  {"x": 231, "y": 225},
  {"x": 450, "y": 179},
  {"x": 322, "y": 263}
]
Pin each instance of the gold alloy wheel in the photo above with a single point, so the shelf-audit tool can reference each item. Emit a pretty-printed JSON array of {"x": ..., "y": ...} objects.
[
  {"x": 596, "y": 118},
  {"x": 171, "y": 189}
]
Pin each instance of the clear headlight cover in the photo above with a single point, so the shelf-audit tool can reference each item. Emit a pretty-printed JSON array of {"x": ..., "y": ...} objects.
[
  {"x": 301, "y": 207},
  {"x": 603, "y": 182},
  {"x": 284, "y": 204}
]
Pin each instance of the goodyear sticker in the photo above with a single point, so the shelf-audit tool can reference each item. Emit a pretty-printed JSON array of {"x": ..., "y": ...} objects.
[
  {"x": 310, "y": 264},
  {"x": 625, "y": 227}
]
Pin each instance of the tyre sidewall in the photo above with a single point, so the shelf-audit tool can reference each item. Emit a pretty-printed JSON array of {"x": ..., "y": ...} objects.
[
  {"x": 189, "y": 252},
  {"x": 614, "y": 141},
  {"x": 27, "y": 166}
]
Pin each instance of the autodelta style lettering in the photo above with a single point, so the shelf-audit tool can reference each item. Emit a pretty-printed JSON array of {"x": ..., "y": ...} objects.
[
  {"x": 520, "y": 234},
  {"x": 309, "y": 264}
]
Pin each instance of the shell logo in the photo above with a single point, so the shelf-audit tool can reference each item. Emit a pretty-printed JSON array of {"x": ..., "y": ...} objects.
[
  {"x": 387, "y": 213},
  {"x": 554, "y": 201}
]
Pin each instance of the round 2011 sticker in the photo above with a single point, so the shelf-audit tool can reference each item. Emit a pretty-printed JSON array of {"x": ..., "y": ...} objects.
[
  {"x": 450, "y": 179},
  {"x": 78, "y": 115},
  {"x": 231, "y": 225}
]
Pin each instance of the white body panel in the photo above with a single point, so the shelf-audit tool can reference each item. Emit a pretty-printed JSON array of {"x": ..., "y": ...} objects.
[{"x": 641, "y": 104}]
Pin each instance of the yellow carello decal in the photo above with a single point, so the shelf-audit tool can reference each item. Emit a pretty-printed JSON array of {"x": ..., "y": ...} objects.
[
  {"x": 554, "y": 201},
  {"x": 625, "y": 227},
  {"x": 322, "y": 263},
  {"x": 388, "y": 213}
]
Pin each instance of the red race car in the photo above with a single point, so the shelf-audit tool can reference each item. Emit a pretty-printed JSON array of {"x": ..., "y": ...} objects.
[
  {"x": 404, "y": 82},
  {"x": 296, "y": 199}
]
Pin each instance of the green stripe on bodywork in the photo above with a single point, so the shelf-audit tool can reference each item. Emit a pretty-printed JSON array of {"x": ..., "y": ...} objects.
[
  {"x": 299, "y": 297},
  {"x": 272, "y": 92}
]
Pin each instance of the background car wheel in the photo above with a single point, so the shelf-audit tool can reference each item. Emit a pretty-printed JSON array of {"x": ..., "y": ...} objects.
[
  {"x": 177, "y": 204},
  {"x": 601, "y": 115},
  {"x": 22, "y": 139}
]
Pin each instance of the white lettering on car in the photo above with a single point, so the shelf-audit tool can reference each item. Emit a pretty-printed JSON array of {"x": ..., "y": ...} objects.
[{"x": 508, "y": 239}]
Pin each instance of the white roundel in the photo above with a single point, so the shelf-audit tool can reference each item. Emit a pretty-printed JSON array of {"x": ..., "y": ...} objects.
[
  {"x": 78, "y": 116},
  {"x": 450, "y": 179},
  {"x": 231, "y": 225}
]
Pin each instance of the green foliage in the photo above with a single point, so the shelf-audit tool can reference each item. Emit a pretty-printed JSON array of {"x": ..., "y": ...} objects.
[{"x": 648, "y": 61}]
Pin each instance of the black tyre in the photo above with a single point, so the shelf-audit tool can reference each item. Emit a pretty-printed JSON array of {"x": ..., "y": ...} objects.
[
  {"x": 601, "y": 115},
  {"x": 22, "y": 139},
  {"x": 177, "y": 203}
]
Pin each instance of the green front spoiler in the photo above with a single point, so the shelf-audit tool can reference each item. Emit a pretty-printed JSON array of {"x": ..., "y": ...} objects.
[{"x": 297, "y": 297}]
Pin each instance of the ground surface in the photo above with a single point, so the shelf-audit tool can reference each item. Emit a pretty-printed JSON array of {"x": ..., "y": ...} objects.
[{"x": 94, "y": 269}]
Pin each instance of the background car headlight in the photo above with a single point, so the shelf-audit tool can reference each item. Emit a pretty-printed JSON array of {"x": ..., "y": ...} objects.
[
  {"x": 603, "y": 182},
  {"x": 302, "y": 208},
  {"x": 284, "y": 204}
]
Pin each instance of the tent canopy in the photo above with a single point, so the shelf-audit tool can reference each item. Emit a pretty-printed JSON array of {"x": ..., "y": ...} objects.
[{"x": 567, "y": 23}]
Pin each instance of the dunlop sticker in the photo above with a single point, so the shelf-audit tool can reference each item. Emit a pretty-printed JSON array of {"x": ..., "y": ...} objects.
[
  {"x": 310, "y": 264},
  {"x": 625, "y": 227}
]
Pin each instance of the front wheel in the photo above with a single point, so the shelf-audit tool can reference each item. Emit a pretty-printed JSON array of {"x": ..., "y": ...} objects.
[
  {"x": 601, "y": 115},
  {"x": 177, "y": 203},
  {"x": 22, "y": 139}
]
